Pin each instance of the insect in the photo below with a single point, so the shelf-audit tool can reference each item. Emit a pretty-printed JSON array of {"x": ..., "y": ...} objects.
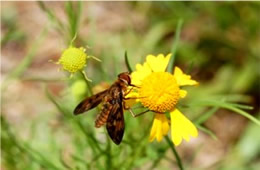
[{"x": 113, "y": 106}]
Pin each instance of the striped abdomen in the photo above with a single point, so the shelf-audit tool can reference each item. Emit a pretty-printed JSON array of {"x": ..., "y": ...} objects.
[{"x": 102, "y": 117}]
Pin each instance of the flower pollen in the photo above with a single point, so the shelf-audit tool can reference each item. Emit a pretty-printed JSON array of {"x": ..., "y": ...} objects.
[{"x": 159, "y": 92}]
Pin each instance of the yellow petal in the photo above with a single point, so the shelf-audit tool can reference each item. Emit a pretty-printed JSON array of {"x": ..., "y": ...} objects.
[
  {"x": 131, "y": 99},
  {"x": 160, "y": 127},
  {"x": 183, "y": 79},
  {"x": 165, "y": 126},
  {"x": 158, "y": 63},
  {"x": 159, "y": 133},
  {"x": 141, "y": 72},
  {"x": 181, "y": 127},
  {"x": 153, "y": 130},
  {"x": 183, "y": 93}
]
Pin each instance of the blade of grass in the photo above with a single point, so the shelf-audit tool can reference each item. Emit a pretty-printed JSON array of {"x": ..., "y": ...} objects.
[
  {"x": 235, "y": 98},
  {"x": 34, "y": 155},
  {"x": 41, "y": 159},
  {"x": 109, "y": 162},
  {"x": 175, "y": 45},
  {"x": 206, "y": 130},
  {"x": 160, "y": 157},
  {"x": 12, "y": 35},
  {"x": 242, "y": 106},
  {"x": 153, "y": 37},
  {"x": 136, "y": 151},
  {"x": 189, "y": 70},
  {"x": 227, "y": 106},
  {"x": 56, "y": 103},
  {"x": 52, "y": 17},
  {"x": 206, "y": 116},
  {"x": 127, "y": 63},
  {"x": 73, "y": 15},
  {"x": 89, "y": 136},
  {"x": 27, "y": 60},
  {"x": 63, "y": 162}
]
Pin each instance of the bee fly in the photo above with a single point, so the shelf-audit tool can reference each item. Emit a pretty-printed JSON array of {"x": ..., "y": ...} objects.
[{"x": 111, "y": 112}]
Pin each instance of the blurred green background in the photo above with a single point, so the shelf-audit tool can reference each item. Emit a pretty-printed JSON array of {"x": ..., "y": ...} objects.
[{"x": 219, "y": 46}]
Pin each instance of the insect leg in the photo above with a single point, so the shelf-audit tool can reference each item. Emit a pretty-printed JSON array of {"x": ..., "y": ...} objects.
[
  {"x": 129, "y": 98},
  {"x": 131, "y": 111},
  {"x": 139, "y": 114},
  {"x": 129, "y": 91},
  {"x": 134, "y": 85}
]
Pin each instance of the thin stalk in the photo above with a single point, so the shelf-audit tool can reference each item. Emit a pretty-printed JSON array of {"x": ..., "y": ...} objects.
[
  {"x": 178, "y": 159},
  {"x": 127, "y": 63},
  {"x": 109, "y": 162},
  {"x": 88, "y": 85},
  {"x": 175, "y": 45}
]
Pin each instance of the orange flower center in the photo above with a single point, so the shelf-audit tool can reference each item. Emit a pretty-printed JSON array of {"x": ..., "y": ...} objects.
[{"x": 159, "y": 92}]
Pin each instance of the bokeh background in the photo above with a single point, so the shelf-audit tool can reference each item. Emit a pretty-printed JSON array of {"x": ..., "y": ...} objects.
[{"x": 219, "y": 46}]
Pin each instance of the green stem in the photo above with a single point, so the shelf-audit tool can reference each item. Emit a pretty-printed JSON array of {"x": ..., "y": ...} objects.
[
  {"x": 87, "y": 81},
  {"x": 108, "y": 154},
  {"x": 89, "y": 88},
  {"x": 127, "y": 63},
  {"x": 178, "y": 159}
]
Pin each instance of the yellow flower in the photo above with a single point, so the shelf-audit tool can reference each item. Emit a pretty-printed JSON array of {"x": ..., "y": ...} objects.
[
  {"x": 73, "y": 59},
  {"x": 160, "y": 92}
]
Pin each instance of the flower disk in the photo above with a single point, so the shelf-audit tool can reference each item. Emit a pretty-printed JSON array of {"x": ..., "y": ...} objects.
[
  {"x": 73, "y": 59},
  {"x": 159, "y": 92}
]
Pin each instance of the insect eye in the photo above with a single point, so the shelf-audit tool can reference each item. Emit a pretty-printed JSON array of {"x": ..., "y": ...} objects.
[
  {"x": 128, "y": 80},
  {"x": 125, "y": 77}
]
